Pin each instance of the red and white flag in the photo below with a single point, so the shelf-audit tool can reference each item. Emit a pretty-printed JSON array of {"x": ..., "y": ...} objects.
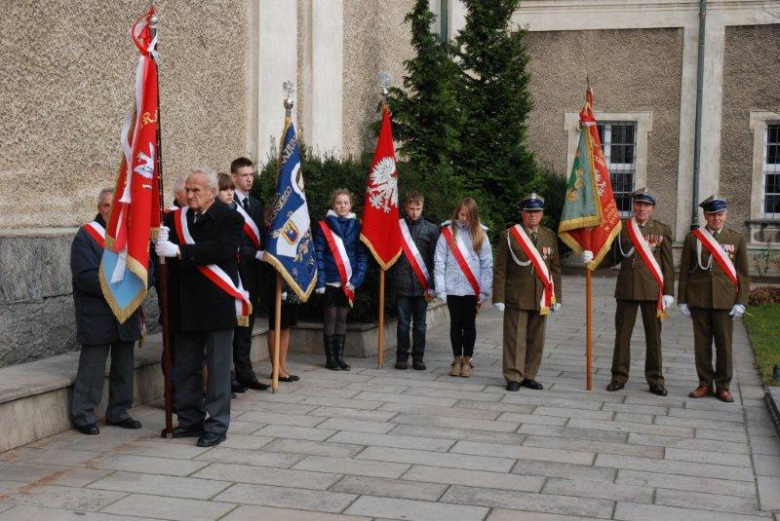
[{"x": 380, "y": 231}]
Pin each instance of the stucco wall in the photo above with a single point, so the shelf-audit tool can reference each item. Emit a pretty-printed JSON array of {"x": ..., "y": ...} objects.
[
  {"x": 630, "y": 71},
  {"x": 66, "y": 83},
  {"x": 751, "y": 68},
  {"x": 376, "y": 39}
]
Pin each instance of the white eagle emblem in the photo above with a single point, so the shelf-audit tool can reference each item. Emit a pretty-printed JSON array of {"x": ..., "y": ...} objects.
[
  {"x": 146, "y": 163},
  {"x": 383, "y": 192}
]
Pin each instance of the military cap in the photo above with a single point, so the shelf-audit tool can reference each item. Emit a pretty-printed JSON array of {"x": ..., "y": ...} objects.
[
  {"x": 714, "y": 204},
  {"x": 643, "y": 195},
  {"x": 532, "y": 203}
]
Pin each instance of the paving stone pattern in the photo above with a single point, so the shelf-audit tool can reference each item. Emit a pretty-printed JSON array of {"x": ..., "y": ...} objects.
[{"x": 388, "y": 444}]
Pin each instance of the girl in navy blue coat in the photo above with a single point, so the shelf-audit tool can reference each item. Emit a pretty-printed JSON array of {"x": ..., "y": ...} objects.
[{"x": 341, "y": 264}]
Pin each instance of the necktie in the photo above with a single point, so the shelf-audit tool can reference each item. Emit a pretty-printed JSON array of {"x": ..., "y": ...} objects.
[
  {"x": 197, "y": 216},
  {"x": 246, "y": 204},
  {"x": 533, "y": 237}
]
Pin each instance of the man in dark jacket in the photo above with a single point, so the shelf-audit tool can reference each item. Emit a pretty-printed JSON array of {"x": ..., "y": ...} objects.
[
  {"x": 203, "y": 251},
  {"x": 413, "y": 282},
  {"x": 242, "y": 172},
  {"x": 98, "y": 332}
]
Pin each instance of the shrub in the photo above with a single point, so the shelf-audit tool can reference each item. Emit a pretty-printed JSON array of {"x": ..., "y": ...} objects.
[{"x": 764, "y": 295}]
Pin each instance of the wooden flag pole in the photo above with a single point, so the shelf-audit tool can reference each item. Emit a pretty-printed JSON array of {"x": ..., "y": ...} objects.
[
  {"x": 277, "y": 333},
  {"x": 380, "y": 355},
  {"x": 588, "y": 331}
]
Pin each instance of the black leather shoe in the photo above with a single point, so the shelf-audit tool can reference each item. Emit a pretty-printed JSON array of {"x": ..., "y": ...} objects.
[
  {"x": 615, "y": 386},
  {"x": 513, "y": 386},
  {"x": 532, "y": 384},
  {"x": 90, "y": 428},
  {"x": 127, "y": 423},
  {"x": 255, "y": 384},
  {"x": 419, "y": 365},
  {"x": 401, "y": 364},
  {"x": 660, "y": 390},
  {"x": 237, "y": 387},
  {"x": 288, "y": 379},
  {"x": 185, "y": 432},
  {"x": 211, "y": 439}
]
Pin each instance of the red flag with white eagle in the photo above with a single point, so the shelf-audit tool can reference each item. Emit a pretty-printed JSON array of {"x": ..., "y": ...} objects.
[
  {"x": 380, "y": 230},
  {"x": 135, "y": 213}
]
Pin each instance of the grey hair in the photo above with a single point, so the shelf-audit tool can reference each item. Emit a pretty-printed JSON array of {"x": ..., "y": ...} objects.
[
  {"x": 178, "y": 183},
  {"x": 212, "y": 181},
  {"x": 103, "y": 193}
]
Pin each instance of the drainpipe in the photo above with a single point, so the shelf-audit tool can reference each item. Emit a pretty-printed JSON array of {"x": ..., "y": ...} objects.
[
  {"x": 697, "y": 132},
  {"x": 444, "y": 19}
]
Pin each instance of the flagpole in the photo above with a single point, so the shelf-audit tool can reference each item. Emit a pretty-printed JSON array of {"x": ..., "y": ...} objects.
[
  {"x": 381, "y": 330},
  {"x": 588, "y": 331},
  {"x": 164, "y": 313},
  {"x": 277, "y": 333}
]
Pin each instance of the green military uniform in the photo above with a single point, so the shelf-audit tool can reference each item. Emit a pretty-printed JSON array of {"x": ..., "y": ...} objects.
[
  {"x": 636, "y": 288},
  {"x": 516, "y": 285},
  {"x": 710, "y": 295}
]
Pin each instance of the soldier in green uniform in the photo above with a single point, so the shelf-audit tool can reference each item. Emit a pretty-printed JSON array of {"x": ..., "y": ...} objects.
[
  {"x": 713, "y": 292},
  {"x": 637, "y": 287},
  {"x": 518, "y": 292}
]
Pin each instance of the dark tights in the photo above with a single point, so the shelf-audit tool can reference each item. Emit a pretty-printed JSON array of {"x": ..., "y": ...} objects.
[
  {"x": 463, "y": 324},
  {"x": 336, "y": 320}
]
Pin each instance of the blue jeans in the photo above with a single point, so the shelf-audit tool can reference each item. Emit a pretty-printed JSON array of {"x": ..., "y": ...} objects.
[{"x": 411, "y": 310}]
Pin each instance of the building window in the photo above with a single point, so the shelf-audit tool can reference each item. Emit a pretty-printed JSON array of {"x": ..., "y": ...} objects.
[
  {"x": 618, "y": 140},
  {"x": 771, "y": 171}
]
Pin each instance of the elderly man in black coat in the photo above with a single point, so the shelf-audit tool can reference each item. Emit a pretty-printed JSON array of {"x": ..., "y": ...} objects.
[
  {"x": 205, "y": 242},
  {"x": 98, "y": 332}
]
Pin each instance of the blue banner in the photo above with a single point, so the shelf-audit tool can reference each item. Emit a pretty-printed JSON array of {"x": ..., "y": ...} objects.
[{"x": 290, "y": 248}]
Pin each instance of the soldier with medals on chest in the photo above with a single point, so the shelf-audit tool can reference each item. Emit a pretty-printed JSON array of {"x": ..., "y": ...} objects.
[
  {"x": 526, "y": 288},
  {"x": 645, "y": 282},
  {"x": 713, "y": 292}
]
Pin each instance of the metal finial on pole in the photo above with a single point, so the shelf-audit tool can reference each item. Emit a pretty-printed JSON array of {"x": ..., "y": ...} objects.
[
  {"x": 385, "y": 79},
  {"x": 289, "y": 90}
]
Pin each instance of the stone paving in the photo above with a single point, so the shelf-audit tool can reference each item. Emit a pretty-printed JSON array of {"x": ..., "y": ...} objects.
[{"x": 388, "y": 444}]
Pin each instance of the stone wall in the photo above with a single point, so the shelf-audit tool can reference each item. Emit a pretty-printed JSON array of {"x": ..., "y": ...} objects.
[
  {"x": 751, "y": 68},
  {"x": 630, "y": 71},
  {"x": 66, "y": 83}
]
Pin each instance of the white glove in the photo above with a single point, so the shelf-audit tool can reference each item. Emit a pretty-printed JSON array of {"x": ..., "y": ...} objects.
[
  {"x": 737, "y": 310},
  {"x": 685, "y": 310},
  {"x": 320, "y": 291},
  {"x": 668, "y": 301},
  {"x": 284, "y": 295},
  {"x": 260, "y": 255},
  {"x": 556, "y": 307},
  {"x": 587, "y": 256},
  {"x": 442, "y": 296},
  {"x": 350, "y": 286},
  {"x": 500, "y": 306},
  {"x": 164, "y": 234},
  {"x": 166, "y": 249}
]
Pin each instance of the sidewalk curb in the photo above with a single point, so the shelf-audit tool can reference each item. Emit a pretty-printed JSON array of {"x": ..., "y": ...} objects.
[{"x": 772, "y": 397}]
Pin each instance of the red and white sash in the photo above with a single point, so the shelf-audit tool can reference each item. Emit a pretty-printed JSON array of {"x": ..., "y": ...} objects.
[
  {"x": 540, "y": 267},
  {"x": 336, "y": 245},
  {"x": 250, "y": 227},
  {"x": 642, "y": 249},
  {"x": 216, "y": 274},
  {"x": 95, "y": 230},
  {"x": 414, "y": 257},
  {"x": 717, "y": 252},
  {"x": 458, "y": 249}
]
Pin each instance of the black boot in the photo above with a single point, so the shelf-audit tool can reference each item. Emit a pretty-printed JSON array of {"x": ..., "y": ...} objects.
[
  {"x": 338, "y": 351},
  {"x": 328, "y": 342}
]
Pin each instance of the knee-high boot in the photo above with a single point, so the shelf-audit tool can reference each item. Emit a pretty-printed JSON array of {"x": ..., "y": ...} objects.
[
  {"x": 338, "y": 351},
  {"x": 328, "y": 342}
]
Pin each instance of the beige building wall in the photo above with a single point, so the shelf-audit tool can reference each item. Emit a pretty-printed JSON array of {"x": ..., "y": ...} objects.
[
  {"x": 67, "y": 81},
  {"x": 751, "y": 70},
  {"x": 630, "y": 71}
]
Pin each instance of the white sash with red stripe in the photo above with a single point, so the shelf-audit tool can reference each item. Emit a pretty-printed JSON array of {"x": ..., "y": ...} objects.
[
  {"x": 339, "y": 252},
  {"x": 527, "y": 245},
  {"x": 717, "y": 252},
  {"x": 216, "y": 274},
  {"x": 95, "y": 230},
  {"x": 642, "y": 248},
  {"x": 459, "y": 251},
  {"x": 414, "y": 257},
  {"x": 250, "y": 227}
]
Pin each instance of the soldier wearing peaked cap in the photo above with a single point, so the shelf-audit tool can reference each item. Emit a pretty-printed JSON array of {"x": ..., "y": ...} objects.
[
  {"x": 645, "y": 282},
  {"x": 713, "y": 292},
  {"x": 526, "y": 287}
]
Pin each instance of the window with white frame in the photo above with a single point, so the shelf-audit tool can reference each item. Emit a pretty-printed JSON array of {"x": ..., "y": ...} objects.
[
  {"x": 771, "y": 171},
  {"x": 619, "y": 142}
]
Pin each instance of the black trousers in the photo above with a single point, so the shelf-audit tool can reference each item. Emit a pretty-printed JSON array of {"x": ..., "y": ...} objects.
[
  {"x": 242, "y": 345},
  {"x": 411, "y": 317},
  {"x": 88, "y": 389},
  {"x": 463, "y": 324}
]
